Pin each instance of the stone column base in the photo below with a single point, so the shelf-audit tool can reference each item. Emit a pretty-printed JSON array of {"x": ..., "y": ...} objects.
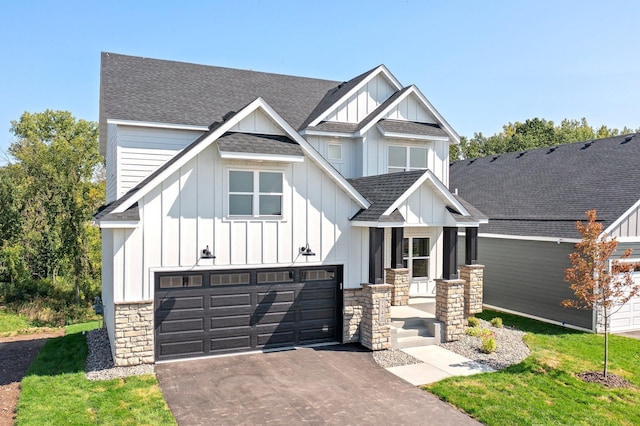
[
  {"x": 133, "y": 343},
  {"x": 399, "y": 279},
  {"x": 450, "y": 307},
  {"x": 351, "y": 315},
  {"x": 375, "y": 331},
  {"x": 473, "y": 275}
]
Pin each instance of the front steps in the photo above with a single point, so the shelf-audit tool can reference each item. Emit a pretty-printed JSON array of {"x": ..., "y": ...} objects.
[{"x": 414, "y": 332}]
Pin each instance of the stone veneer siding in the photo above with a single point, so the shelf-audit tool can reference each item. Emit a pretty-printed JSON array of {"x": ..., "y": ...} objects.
[
  {"x": 399, "y": 279},
  {"x": 352, "y": 315},
  {"x": 473, "y": 275},
  {"x": 450, "y": 307},
  {"x": 375, "y": 329},
  {"x": 133, "y": 333}
]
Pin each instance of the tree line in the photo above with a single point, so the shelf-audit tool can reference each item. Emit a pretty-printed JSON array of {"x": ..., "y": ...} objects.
[
  {"x": 50, "y": 252},
  {"x": 533, "y": 133}
]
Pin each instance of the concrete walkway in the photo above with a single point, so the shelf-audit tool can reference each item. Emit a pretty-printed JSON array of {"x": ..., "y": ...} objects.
[{"x": 437, "y": 364}]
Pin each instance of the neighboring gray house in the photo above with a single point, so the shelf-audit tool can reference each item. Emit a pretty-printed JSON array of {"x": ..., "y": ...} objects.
[
  {"x": 244, "y": 212},
  {"x": 533, "y": 200}
]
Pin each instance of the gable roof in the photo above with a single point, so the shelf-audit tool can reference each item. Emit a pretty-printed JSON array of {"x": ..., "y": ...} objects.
[
  {"x": 386, "y": 192},
  {"x": 160, "y": 91},
  {"x": 258, "y": 144},
  {"x": 543, "y": 192},
  {"x": 159, "y": 175}
]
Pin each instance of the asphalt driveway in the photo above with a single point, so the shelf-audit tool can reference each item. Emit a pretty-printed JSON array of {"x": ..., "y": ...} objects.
[{"x": 331, "y": 384}]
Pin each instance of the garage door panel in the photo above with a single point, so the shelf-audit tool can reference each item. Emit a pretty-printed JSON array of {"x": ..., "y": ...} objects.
[
  {"x": 231, "y": 300},
  {"x": 279, "y": 338},
  {"x": 182, "y": 348},
  {"x": 219, "y": 318},
  {"x": 229, "y": 321},
  {"x": 182, "y": 303},
  {"x": 182, "y": 325},
  {"x": 229, "y": 344}
]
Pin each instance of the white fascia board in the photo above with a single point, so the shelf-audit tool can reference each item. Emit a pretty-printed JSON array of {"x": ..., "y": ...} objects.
[
  {"x": 157, "y": 125},
  {"x": 628, "y": 239},
  {"x": 113, "y": 224},
  {"x": 530, "y": 238},
  {"x": 454, "y": 135},
  {"x": 444, "y": 192},
  {"x": 622, "y": 218},
  {"x": 261, "y": 157},
  {"x": 381, "y": 69},
  {"x": 307, "y": 132},
  {"x": 365, "y": 224},
  {"x": 396, "y": 135}
]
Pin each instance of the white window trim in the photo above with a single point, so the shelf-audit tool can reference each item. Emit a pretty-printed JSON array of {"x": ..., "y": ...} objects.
[
  {"x": 407, "y": 166},
  {"x": 411, "y": 258},
  {"x": 339, "y": 145},
  {"x": 255, "y": 207}
]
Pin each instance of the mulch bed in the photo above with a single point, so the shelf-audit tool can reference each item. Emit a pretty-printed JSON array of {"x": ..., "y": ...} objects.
[
  {"x": 611, "y": 381},
  {"x": 16, "y": 355}
]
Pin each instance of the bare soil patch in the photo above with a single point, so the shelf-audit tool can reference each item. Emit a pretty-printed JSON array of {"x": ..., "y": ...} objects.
[
  {"x": 16, "y": 355},
  {"x": 611, "y": 381}
]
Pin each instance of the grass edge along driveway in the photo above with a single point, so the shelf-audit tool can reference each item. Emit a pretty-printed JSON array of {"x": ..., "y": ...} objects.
[
  {"x": 544, "y": 389},
  {"x": 55, "y": 390}
]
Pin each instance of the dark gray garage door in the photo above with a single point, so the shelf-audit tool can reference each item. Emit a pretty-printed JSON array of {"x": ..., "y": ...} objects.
[{"x": 218, "y": 312}]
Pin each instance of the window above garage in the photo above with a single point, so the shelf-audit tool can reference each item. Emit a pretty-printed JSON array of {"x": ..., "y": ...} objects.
[{"x": 255, "y": 193}]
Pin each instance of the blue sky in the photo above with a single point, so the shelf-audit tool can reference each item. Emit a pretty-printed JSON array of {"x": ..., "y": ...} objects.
[{"x": 482, "y": 64}]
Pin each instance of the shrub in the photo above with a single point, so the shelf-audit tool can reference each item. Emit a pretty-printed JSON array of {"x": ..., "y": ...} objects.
[
  {"x": 477, "y": 331},
  {"x": 489, "y": 344},
  {"x": 496, "y": 322},
  {"x": 473, "y": 322}
]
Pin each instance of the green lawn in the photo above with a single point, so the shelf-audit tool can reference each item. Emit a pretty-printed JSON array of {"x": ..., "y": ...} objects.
[
  {"x": 55, "y": 390},
  {"x": 544, "y": 389},
  {"x": 13, "y": 324}
]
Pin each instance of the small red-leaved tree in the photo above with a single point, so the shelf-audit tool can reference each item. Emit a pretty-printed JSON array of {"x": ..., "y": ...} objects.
[{"x": 597, "y": 282}]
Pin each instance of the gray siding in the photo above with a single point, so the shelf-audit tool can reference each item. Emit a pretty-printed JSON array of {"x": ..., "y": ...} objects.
[
  {"x": 635, "y": 247},
  {"x": 528, "y": 277}
]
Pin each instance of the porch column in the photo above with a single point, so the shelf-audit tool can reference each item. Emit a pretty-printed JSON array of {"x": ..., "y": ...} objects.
[
  {"x": 397, "y": 234},
  {"x": 376, "y": 255},
  {"x": 450, "y": 254},
  {"x": 470, "y": 246}
]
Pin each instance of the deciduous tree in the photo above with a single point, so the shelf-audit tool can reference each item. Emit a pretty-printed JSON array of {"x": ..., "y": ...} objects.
[{"x": 598, "y": 282}]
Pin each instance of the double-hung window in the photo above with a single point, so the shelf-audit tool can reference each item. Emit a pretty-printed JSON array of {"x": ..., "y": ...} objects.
[
  {"x": 406, "y": 158},
  {"x": 255, "y": 193}
]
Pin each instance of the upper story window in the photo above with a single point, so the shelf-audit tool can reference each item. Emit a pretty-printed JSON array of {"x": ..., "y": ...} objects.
[
  {"x": 334, "y": 152},
  {"x": 255, "y": 193},
  {"x": 406, "y": 158}
]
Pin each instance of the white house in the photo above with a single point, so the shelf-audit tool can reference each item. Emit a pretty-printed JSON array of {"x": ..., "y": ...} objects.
[{"x": 242, "y": 205}]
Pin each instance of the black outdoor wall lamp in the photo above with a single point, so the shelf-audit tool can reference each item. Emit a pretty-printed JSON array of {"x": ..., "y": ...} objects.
[
  {"x": 306, "y": 251},
  {"x": 206, "y": 253}
]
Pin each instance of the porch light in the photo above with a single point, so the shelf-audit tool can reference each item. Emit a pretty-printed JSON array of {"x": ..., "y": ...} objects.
[
  {"x": 306, "y": 251},
  {"x": 206, "y": 253}
]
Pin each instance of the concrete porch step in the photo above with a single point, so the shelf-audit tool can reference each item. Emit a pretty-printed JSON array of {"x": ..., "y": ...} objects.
[
  {"x": 414, "y": 332},
  {"x": 415, "y": 341}
]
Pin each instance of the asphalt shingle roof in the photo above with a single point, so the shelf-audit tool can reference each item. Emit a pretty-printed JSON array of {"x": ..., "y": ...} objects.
[
  {"x": 413, "y": 128},
  {"x": 382, "y": 191},
  {"x": 154, "y": 90},
  {"x": 258, "y": 144},
  {"x": 543, "y": 192}
]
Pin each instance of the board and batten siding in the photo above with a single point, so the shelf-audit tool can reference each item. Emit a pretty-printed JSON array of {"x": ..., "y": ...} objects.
[
  {"x": 108, "y": 282},
  {"x": 142, "y": 150},
  {"x": 187, "y": 212},
  {"x": 364, "y": 102},
  {"x": 411, "y": 109},
  {"x": 629, "y": 227},
  {"x": 111, "y": 164},
  {"x": 528, "y": 277},
  {"x": 345, "y": 165}
]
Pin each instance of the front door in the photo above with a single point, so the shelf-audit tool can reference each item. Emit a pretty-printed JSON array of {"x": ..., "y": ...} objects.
[{"x": 415, "y": 257}]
